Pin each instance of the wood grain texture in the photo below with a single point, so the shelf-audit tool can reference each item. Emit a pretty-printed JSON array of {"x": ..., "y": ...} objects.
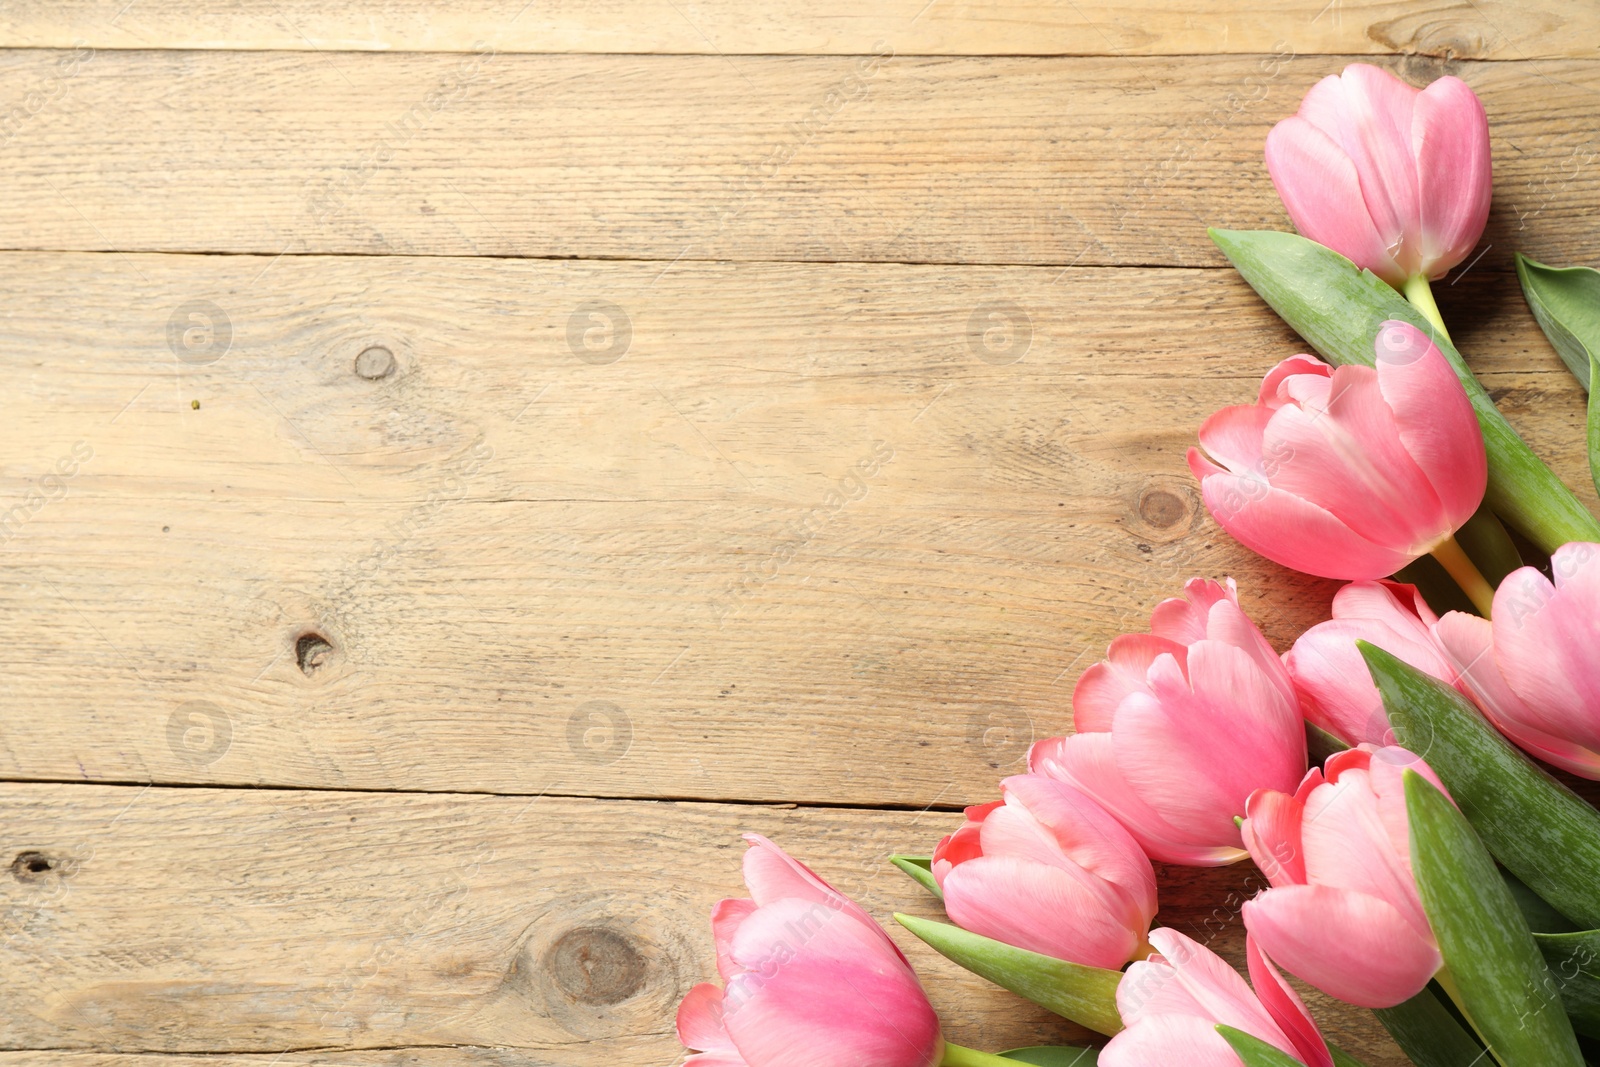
[
  {"x": 1485, "y": 29},
  {"x": 802, "y": 496},
  {"x": 543, "y": 931},
  {"x": 882, "y": 158}
]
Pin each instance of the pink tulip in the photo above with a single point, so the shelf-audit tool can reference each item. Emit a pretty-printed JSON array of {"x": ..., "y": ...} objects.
[
  {"x": 809, "y": 981},
  {"x": 1534, "y": 670},
  {"x": 1343, "y": 912},
  {"x": 1173, "y": 1003},
  {"x": 1046, "y": 869},
  {"x": 1347, "y": 472},
  {"x": 1395, "y": 179},
  {"x": 1177, "y": 727},
  {"x": 1336, "y": 690}
]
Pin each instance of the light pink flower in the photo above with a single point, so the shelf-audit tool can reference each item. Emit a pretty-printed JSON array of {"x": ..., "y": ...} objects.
[
  {"x": 1335, "y": 687},
  {"x": 1177, "y": 727},
  {"x": 1046, "y": 869},
  {"x": 1343, "y": 912},
  {"x": 809, "y": 980},
  {"x": 1347, "y": 472},
  {"x": 1173, "y": 1003},
  {"x": 1535, "y": 670},
  {"x": 1393, "y": 178}
]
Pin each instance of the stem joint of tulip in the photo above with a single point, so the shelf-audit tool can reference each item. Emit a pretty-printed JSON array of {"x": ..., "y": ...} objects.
[
  {"x": 1417, "y": 290},
  {"x": 1454, "y": 559}
]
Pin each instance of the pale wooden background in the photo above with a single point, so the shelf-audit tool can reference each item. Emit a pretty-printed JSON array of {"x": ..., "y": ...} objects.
[{"x": 387, "y": 679}]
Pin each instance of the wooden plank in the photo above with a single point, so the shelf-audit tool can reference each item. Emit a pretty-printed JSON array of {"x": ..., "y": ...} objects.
[
  {"x": 544, "y": 931},
  {"x": 1488, "y": 29},
  {"x": 890, "y": 158},
  {"x": 809, "y": 537}
]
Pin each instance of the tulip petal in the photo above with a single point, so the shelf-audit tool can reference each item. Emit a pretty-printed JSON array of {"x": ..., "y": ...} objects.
[
  {"x": 809, "y": 970},
  {"x": 1469, "y": 643},
  {"x": 1179, "y": 1040},
  {"x": 1434, "y": 419},
  {"x": 1089, "y": 837},
  {"x": 1102, "y": 687},
  {"x": 1544, "y": 643},
  {"x": 1375, "y": 131},
  {"x": 700, "y": 1020},
  {"x": 1207, "y": 981},
  {"x": 726, "y": 918},
  {"x": 1285, "y": 1007},
  {"x": 1232, "y": 435},
  {"x": 1229, "y": 625},
  {"x": 1204, "y": 744},
  {"x": 1063, "y": 912},
  {"x": 1351, "y": 946},
  {"x": 1294, "y": 532},
  {"x": 1352, "y": 843},
  {"x": 1321, "y": 189},
  {"x": 1450, "y": 140},
  {"x": 1348, "y": 457},
  {"x": 1088, "y": 763},
  {"x": 1271, "y": 832},
  {"x": 772, "y": 874}
]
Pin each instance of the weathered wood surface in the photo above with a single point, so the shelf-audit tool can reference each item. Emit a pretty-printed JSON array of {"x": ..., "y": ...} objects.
[
  {"x": 708, "y": 430},
  {"x": 810, "y": 537},
  {"x": 1102, "y": 160},
  {"x": 1499, "y": 29},
  {"x": 533, "y": 930}
]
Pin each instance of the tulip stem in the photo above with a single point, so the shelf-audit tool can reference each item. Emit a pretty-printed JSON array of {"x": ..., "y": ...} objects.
[
  {"x": 961, "y": 1056},
  {"x": 1420, "y": 294},
  {"x": 1454, "y": 559}
]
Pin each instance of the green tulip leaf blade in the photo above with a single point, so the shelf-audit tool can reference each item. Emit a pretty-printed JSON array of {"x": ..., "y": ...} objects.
[
  {"x": 1338, "y": 308},
  {"x": 1428, "y": 1033},
  {"x": 1503, "y": 984},
  {"x": 920, "y": 869},
  {"x": 1254, "y": 1051},
  {"x": 1054, "y": 1056},
  {"x": 1593, "y": 435},
  {"x": 1085, "y": 995},
  {"x": 1565, "y": 301},
  {"x": 1544, "y": 833},
  {"x": 1574, "y": 961}
]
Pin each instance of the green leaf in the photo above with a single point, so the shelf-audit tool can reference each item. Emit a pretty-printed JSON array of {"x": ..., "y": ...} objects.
[
  {"x": 1499, "y": 975},
  {"x": 1594, "y": 426},
  {"x": 1254, "y": 1051},
  {"x": 1566, "y": 303},
  {"x": 1341, "y": 1058},
  {"x": 1487, "y": 544},
  {"x": 1541, "y": 917},
  {"x": 1574, "y": 960},
  {"x": 1086, "y": 995},
  {"x": 919, "y": 868},
  {"x": 1320, "y": 744},
  {"x": 1542, "y": 831},
  {"x": 1055, "y": 1056},
  {"x": 1338, "y": 309},
  {"x": 1428, "y": 1033}
]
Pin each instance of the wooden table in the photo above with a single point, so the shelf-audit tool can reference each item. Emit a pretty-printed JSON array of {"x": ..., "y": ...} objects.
[{"x": 465, "y": 466}]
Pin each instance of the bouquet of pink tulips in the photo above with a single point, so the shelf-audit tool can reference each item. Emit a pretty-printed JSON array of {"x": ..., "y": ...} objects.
[{"x": 1384, "y": 774}]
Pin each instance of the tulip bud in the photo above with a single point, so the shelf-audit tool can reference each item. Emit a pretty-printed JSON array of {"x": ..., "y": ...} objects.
[
  {"x": 1394, "y": 178},
  {"x": 1046, "y": 869}
]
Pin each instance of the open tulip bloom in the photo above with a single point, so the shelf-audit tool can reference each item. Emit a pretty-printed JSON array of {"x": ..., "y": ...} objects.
[
  {"x": 1175, "y": 728},
  {"x": 1351, "y": 472},
  {"x": 1343, "y": 912}
]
